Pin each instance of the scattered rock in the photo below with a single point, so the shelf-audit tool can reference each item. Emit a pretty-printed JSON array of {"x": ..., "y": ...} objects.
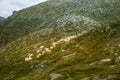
[
  {"x": 112, "y": 66},
  {"x": 117, "y": 60},
  {"x": 86, "y": 78},
  {"x": 55, "y": 76},
  {"x": 40, "y": 67},
  {"x": 109, "y": 77},
  {"x": 10, "y": 77},
  {"x": 6, "y": 58}
]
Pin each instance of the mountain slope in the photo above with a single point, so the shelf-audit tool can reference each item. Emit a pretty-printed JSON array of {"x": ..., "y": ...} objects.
[
  {"x": 57, "y": 15},
  {"x": 62, "y": 40},
  {"x": 1, "y": 19},
  {"x": 92, "y": 55}
]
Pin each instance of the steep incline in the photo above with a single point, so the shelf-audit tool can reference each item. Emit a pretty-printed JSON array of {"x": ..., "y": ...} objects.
[
  {"x": 62, "y": 40},
  {"x": 58, "y": 16},
  {"x": 85, "y": 56},
  {"x": 1, "y": 18}
]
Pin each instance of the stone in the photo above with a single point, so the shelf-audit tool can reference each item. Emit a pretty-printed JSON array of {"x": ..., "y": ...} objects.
[
  {"x": 112, "y": 66},
  {"x": 98, "y": 77},
  {"x": 55, "y": 76},
  {"x": 117, "y": 60},
  {"x": 41, "y": 67},
  {"x": 112, "y": 77},
  {"x": 86, "y": 78}
]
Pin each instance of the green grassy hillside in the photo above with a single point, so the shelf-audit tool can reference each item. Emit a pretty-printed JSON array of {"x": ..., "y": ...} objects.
[
  {"x": 92, "y": 54},
  {"x": 62, "y": 40}
]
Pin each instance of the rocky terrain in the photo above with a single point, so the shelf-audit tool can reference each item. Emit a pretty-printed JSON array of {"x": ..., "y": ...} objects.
[
  {"x": 1, "y": 19},
  {"x": 62, "y": 40}
]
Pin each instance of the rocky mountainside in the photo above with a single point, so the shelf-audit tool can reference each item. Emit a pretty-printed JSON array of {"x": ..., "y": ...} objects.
[
  {"x": 1, "y": 20},
  {"x": 57, "y": 16},
  {"x": 62, "y": 40}
]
